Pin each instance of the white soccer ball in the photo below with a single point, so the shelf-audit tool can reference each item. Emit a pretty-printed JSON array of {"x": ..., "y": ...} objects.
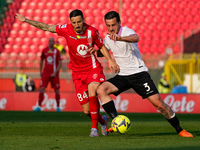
[{"x": 121, "y": 124}]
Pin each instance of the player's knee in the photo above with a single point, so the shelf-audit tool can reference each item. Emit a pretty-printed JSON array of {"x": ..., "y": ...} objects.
[{"x": 101, "y": 91}]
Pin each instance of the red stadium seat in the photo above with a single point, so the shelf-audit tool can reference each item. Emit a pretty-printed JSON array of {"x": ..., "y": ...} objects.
[
  {"x": 54, "y": 12},
  {"x": 169, "y": 26},
  {"x": 184, "y": 26},
  {"x": 27, "y": 40},
  {"x": 34, "y": 49},
  {"x": 66, "y": 5},
  {"x": 13, "y": 33},
  {"x": 11, "y": 40},
  {"x": 41, "y": 5},
  {"x": 33, "y": 5},
  {"x": 10, "y": 63},
  {"x": 29, "y": 13},
  {"x": 30, "y": 33},
  {"x": 39, "y": 33},
  {"x": 196, "y": 18},
  {"x": 146, "y": 17},
  {"x": 22, "y": 33},
  {"x": 46, "y": 19},
  {"x": 24, "y": 5},
  {"x": 192, "y": 25},
  {"x": 16, "y": 48},
  {"x": 7, "y": 48},
  {"x": 25, "y": 49},
  {"x": 157, "y": 19},
  {"x": 156, "y": 40},
  {"x": 161, "y": 26}
]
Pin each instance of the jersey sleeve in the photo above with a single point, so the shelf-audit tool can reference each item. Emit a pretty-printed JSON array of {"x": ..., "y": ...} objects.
[
  {"x": 129, "y": 31},
  {"x": 97, "y": 39},
  {"x": 61, "y": 29},
  {"x": 106, "y": 43}
]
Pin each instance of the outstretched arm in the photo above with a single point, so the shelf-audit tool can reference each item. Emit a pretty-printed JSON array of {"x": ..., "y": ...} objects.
[
  {"x": 130, "y": 38},
  {"x": 37, "y": 24}
]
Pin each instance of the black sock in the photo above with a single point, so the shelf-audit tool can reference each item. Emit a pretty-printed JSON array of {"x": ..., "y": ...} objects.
[
  {"x": 175, "y": 123},
  {"x": 110, "y": 109}
]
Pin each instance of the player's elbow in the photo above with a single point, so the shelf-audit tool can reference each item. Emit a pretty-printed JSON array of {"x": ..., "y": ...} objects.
[{"x": 138, "y": 39}]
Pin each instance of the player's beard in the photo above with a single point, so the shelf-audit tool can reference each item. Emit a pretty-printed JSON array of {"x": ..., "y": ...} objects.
[{"x": 78, "y": 30}]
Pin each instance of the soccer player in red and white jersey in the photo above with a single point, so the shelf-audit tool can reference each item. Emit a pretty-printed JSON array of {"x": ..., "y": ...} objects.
[
  {"x": 87, "y": 72},
  {"x": 50, "y": 72}
]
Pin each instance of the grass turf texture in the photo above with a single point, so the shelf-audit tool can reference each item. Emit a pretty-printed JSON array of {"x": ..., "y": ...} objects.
[{"x": 70, "y": 131}]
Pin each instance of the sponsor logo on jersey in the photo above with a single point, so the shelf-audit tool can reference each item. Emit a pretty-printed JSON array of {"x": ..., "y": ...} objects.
[
  {"x": 81, "y": 37},
  {"x": 73, "y": 37},
  {"x": 63, "y": 26},
  {"x": 82, "y": 49},
  {"x": 49, "y": 59}
]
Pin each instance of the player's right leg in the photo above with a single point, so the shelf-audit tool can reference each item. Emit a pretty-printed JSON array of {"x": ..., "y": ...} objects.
[
  {"x": 43, "y": 84},
  {"x": 55, "y": 84},
  {"x": 103, "y": 92},
  {"x": 169, "y": 115},
  {"x": 40, "y": 99},
  {"x": 108, "y": 105}
]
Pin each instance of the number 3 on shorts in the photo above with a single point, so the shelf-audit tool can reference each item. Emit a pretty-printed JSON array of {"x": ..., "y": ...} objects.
[{"x": 147, "y": 87}]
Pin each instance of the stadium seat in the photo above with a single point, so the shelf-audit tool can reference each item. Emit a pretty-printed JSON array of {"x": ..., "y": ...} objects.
[
  {"x": 147, "y": 18},
  {"x": 196, "y": 18},
  {"x": 29, "y": 13},
  {"x": 161, "y": 26},
  {"x": 16, "y": 48},
  {"x": 10, "y": 64},
  {"x": 25, "y": 48},
  {"x": 184, "y": 25}
]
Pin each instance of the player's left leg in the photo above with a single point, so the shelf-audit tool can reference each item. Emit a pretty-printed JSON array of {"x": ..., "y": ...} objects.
[
  {"x": 55, "y": 84},
  {"x": 40, "y": 98},
  {"x": 169, "y": 115},
  {"x": 94, "y": 78},
  {"x": 94, "y": 104},
  {"x": 57, "y": 97}
]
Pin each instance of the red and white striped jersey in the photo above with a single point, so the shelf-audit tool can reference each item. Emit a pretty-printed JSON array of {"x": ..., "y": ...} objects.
[
  {"x": 80, "y": 58},
  {"x": 51, "y": 57}
]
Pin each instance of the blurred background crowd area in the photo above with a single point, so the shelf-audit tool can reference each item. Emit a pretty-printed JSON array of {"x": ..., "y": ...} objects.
[{"x": 169, "y": 32}]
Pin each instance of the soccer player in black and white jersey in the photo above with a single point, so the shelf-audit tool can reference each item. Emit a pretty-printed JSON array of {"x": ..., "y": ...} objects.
[{"x": 133, "y": 72}]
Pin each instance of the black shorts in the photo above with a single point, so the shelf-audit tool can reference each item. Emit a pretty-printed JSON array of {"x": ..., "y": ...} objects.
[{"x": 141, "y": 83}]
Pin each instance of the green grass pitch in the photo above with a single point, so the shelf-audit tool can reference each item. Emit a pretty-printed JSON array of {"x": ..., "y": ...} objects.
[{"x": 70, "y": 131}]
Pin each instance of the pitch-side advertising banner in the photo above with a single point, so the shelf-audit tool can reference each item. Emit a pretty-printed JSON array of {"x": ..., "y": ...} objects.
[{"x": 125, "y": 102}]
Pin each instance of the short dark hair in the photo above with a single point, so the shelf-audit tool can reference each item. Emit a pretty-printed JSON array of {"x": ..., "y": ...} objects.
[
  {"x": 111, "y": 15},
  {"x": 75, "y": 13}
]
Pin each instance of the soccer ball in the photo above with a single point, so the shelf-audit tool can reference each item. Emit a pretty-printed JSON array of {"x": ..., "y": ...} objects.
[{"x": 121, "y": 124}]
